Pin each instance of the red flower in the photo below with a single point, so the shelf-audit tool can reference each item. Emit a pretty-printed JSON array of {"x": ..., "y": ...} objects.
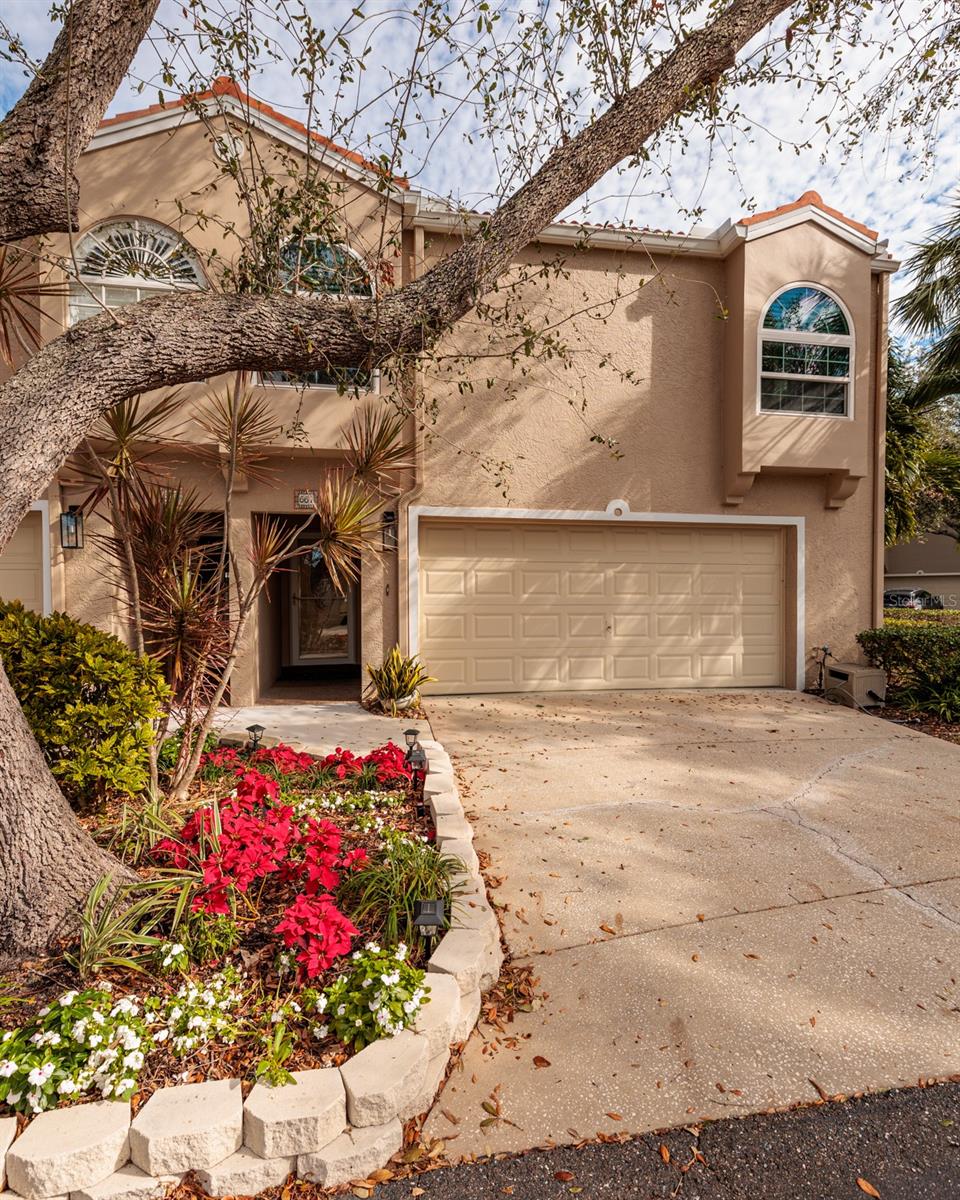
[{"x": 317, "y": 930}]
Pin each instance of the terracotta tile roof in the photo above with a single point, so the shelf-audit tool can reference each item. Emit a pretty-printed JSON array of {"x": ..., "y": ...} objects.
[
  {"x": 224, "y": 86},
  {"x": 812, "y": 200}
]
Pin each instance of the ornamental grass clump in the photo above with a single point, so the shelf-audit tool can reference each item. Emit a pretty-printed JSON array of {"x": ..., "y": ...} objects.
[{"x": 379, "y": 996}]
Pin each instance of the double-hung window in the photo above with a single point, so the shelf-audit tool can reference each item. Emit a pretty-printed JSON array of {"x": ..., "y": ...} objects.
[{"x": 806, "y": 354}]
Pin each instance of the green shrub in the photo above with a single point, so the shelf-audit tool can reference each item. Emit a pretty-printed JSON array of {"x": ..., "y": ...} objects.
[
  {"x": 922, "y": 658},
  {"x": 380, "y": 995},
  {"x": 940, "y": 616},
  {"x": 89, "y": 700}
]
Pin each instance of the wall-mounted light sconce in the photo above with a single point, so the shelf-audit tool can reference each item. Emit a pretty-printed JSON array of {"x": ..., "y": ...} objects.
[
  {"x": 388, "y": 530},
  {"x": 71, "y": 528}
]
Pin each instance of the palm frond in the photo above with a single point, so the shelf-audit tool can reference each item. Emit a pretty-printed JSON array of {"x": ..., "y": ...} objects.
[
  {"x": 344, "y": 528},
  {"x": 21, "y": 294},
  {"x": 241, "y": 419},
  {"x": 375, "y": 450}
]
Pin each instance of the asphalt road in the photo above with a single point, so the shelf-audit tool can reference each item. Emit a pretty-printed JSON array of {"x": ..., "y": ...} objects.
[{"x": 903, "y": 1144}]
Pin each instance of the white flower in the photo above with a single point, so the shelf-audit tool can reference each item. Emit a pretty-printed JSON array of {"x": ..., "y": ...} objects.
[
  {"x": 373, "y": 947},
  {"x": 13, "y": 1097},
  {"x": 401, "y": 951},
  {"x": 321, "y": 1031},
  {"x": 133, "y": 1060},
  {"x": 66, "y": 1087},
  {"x": 341, "y": 1009},
  {"x": 39, "y": 1075},
  {"x": 67, "y": 999},
  {"x": 322, "y": 1002},
  {"x": 7, "y": 1068}
]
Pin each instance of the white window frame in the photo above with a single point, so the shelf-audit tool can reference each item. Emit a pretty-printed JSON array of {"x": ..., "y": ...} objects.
[
  {"x": 373, "y": 387},
  {"x": 80, "y": 286},
  {"x": 810, "y": 339}
]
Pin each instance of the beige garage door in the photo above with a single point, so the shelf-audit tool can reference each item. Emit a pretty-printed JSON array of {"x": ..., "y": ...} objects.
[
  {"x": 523, "y": 606},
  {"x": 21, "y": 564}
]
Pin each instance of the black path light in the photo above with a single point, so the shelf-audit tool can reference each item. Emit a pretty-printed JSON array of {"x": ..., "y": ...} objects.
[
  {"x": 416, "y": 762},
  {"x": 256, "y": 733},
  {"x": 429, "y": 917},
  {"x": 71, "y": 528}
]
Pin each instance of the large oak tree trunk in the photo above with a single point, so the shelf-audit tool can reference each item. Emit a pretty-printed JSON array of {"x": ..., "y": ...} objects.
[{"x": 48, "y": 862}]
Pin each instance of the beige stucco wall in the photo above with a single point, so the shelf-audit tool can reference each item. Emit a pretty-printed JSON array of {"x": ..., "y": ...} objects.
[
  {"x": 670, "y": 424},
  {"x": 661, "y": 360}
]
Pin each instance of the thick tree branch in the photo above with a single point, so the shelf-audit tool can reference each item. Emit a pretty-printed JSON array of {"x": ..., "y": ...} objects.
[
  {"x": 45, "y": 132},
  {"x": 50, "y": 404}
]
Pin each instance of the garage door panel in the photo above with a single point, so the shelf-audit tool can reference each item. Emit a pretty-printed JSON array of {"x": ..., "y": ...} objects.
[
  {"x": 492, "y": 627},
  {"x": 541, "y": 625},
  {"x": 516, "y": 606},
  {"x": 493, "y": 582}
]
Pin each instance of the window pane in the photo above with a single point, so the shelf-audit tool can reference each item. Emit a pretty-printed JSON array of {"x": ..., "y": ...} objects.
[
  {"x": 315, "y": 266},
  {"x": 802, "y": 395},
  {"x": 800, "y": 358},
  {"x": 348, "y": 377},
  {"x": 806, "y": 309}
]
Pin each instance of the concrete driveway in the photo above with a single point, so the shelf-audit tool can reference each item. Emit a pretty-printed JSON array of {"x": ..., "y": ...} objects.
[{"x": 733, "y": 901}]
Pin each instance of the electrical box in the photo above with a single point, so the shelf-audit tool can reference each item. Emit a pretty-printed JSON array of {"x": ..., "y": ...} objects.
[{"x": 854, "y": 685}]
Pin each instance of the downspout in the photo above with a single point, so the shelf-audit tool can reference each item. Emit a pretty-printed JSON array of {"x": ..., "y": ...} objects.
[
  {"x": 413, "y": 264},
  {"x": 882, "y": 295}
]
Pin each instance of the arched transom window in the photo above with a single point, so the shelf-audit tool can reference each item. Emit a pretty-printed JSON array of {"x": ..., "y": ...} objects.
[
  {"x": 311, "y": 265},
  {"x": 121, "y": 262},
  {"x": 805, "y": 354}
]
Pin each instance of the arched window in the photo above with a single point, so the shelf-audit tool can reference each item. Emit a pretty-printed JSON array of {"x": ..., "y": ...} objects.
[
  {"x": 124, "y": 261},
  {"x": 805, "y": 353},
  {"x": 311, "y": 265}
]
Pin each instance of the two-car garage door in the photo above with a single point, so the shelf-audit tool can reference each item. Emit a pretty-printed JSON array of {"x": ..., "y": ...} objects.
[{"x": 516, "y": 605}]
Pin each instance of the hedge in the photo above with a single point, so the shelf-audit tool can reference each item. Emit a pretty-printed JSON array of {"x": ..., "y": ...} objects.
[
  {"x": 922, "y": 658},
  {"x": 89, "y": 699},
  {"x": 939, "y": 616}
]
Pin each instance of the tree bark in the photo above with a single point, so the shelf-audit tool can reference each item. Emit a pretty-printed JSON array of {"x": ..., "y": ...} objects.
[
  {"x": 48, "y": 862},
  {"x": 53, "y": 400},
  {"x": 45, "y": 132}
]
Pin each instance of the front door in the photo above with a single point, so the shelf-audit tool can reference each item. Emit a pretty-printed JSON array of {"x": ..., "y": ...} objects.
[{"x": 322, "y": 622}]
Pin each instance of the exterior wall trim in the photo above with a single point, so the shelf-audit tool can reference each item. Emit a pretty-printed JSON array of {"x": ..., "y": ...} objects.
[
  {"x": 43, "y": 508},
  {"x": 616, "y": 510}
]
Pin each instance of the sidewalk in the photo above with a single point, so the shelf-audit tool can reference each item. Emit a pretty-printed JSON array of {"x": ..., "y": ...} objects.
[{"x": 325, "y": 726}]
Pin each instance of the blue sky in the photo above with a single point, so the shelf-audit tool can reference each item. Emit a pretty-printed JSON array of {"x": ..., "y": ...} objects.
[{"x": 882, "y": 184}]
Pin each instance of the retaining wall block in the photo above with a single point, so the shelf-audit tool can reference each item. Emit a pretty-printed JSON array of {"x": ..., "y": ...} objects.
[
  {"x": 353, "y": 1155},
  {"x": 189, "y": 1127},
  {"x": 384, "y": 1078},
  {"x": 460, "y": 953},
  {"x": 246, "y": 1174},
  {"x": 295, "y": 1118},
  {"x": 64, "y": 1149},
  {"x": 128, "y": 1183}
]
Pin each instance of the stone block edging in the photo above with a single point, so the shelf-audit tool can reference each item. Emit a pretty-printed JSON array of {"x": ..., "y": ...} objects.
[{"x": 351, "y": 1120}]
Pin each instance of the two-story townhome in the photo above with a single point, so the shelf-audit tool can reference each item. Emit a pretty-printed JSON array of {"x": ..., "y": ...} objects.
[{"x": 740, "y": 374}]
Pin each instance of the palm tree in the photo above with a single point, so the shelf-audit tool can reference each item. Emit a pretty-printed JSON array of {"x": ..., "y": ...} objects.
[
  {"x": 922, "y": 450},
  {"x": 922, "y": 459}
]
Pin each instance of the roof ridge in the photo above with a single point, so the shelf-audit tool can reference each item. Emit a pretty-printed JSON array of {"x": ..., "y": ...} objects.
[
  {"x": 809, "y": 199},
  {"x": 224, "y": 85}
]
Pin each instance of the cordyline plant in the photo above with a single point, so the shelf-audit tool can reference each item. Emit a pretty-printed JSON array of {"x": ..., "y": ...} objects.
[
  {"x": 567, "y": 94},
  {"x": 188, "y": 595}
]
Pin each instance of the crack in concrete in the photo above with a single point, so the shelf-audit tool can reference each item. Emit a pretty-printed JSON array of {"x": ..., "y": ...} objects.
[{"x": 519, "y": 955}]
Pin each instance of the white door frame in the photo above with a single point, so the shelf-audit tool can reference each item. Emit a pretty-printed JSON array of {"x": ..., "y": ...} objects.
[
  {"x": 46, "y": 555},
  {"x": 616, "y": 511}
]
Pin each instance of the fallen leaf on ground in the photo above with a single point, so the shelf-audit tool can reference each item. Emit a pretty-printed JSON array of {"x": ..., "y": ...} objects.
[
  {"x": 450, "y": 1117},
  {"x": 866, "y": 1186},
  {"x": 539, "y": 1061},
  {"x": 615, "y": 1116},
  {"x": 664, "y": 1153},
  {"x": 563, "y": 1176},
  {"x": 701, "y": 917},
  {"x": 607, "y": 928}
]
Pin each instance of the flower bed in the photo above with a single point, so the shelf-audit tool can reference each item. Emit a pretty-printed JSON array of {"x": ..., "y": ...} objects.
[{"x": 263, "y": 965}]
